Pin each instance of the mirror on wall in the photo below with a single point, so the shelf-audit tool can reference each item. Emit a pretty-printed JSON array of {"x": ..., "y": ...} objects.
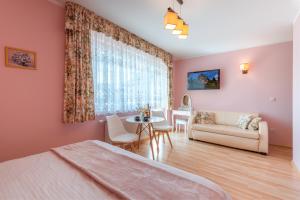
[{"x": 186, "y": 103}]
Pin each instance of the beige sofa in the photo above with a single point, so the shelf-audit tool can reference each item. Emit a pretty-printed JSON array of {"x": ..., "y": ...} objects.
[{"x": 226, "y": 132}]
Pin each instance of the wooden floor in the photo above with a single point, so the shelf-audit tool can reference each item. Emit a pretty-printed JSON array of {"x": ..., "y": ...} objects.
[{"x": 245, "y": 175}]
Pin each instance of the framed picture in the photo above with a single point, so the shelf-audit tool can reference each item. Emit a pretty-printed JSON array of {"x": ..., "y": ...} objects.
[
  {"x": 204, "y": 80},
  {"x": 20, "y": 58}
]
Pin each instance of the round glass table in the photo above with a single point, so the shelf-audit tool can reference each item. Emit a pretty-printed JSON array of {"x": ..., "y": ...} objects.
[{"x": 146, "y": 126}]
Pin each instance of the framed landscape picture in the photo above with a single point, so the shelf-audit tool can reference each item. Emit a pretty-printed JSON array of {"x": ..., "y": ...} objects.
[
  {"x": 204, "y": 80},
  {"x": 20, "y": 58}
]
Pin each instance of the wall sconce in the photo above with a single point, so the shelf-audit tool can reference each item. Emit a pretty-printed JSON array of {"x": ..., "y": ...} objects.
[{"x": 244, "y": 68}]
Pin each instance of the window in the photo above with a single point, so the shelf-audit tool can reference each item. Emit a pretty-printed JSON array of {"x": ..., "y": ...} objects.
[{"x": 126, "y": 78}]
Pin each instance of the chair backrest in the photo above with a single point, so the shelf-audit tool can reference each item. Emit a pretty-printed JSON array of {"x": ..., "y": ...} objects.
[
  {"x": 115, "y": 126},
  {"x": 160, "y": 114}
]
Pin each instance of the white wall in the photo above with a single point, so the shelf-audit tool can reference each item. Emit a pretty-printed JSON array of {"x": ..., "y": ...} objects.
[{"x": 296, "y": 93}]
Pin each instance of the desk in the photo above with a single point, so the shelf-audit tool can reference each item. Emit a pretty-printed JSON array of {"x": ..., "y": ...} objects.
[
  {"x": 148, "y": 126},
  {"x": 179, "y": 113}
]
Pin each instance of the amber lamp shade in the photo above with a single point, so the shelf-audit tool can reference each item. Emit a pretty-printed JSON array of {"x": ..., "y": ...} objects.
[
  {"x": 244, "y": 68},
  {"x": 170, "y": 20},
  {"x": 179, "y": 27},
  {"x": 185, "y": 32}
]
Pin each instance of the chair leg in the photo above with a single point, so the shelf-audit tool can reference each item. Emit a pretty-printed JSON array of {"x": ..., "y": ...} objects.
[
  {"x": 154, "y": 135},
  {"x": 169, "y": 139},
  {"x": 163, "y": 136},
  {"x": 151, "y": 145},
  {"x": 158, "y": 136},
  {"x": 132, "y": 147}
]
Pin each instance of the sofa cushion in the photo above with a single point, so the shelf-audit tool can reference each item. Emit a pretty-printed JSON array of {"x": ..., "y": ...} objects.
[
  {"x": 207, "y": 118},
  {"x": 197, "y": 118},
  {"x": 226, "y": 130}
]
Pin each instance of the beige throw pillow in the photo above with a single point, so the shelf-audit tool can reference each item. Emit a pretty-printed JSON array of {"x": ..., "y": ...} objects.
[
  {"x": 254, "y": 124},
  {"x": 197, "y": 119},
  {"x": 208, "y": 118},
  {"x": 244, "y": 121}
]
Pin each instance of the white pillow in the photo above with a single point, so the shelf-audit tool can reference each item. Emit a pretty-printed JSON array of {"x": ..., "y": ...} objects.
[{"x": 244, "y": 121}]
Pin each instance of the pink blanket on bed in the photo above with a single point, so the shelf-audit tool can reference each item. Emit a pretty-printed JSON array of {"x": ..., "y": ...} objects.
[{"x": 131, "y": 178}]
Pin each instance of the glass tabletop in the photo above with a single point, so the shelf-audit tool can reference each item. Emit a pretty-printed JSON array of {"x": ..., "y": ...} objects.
[{"x": 153, "y": 119}]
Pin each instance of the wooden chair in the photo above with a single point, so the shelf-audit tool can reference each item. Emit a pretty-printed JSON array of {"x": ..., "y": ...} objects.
[
  {"x": 162, "y": 128},
  {"x": 118, "y": 134}
]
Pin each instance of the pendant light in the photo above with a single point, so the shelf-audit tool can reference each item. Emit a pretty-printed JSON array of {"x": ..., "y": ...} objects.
[
  {"x": 185, "y": 32},
  {"x": 171, "y": 19},
  {"x": 179, "y": 27}
]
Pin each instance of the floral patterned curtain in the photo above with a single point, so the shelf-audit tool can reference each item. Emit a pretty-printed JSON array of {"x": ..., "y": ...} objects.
[
  {"x": 170, "y": 77},
  {"x": 78, "y": 91},
  {"x": 78, "y": 88}
]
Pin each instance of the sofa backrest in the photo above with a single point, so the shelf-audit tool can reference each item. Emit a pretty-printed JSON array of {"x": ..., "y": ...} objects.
[{"x": 229, "y": 118}]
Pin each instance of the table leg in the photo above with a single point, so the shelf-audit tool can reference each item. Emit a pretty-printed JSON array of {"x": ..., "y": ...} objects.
[
  {"x": 139, "y": 132},
  {"x": 151, "y": 145}
]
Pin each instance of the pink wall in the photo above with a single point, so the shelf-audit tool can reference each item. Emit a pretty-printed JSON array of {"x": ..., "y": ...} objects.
[
  {"x": 270, "y": 75},
  {"x": 31, "y": 102},
  {"x": 296, "y": 93}
]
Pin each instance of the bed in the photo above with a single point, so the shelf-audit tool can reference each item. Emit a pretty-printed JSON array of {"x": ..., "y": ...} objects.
[{"x": 97, "y": 170}]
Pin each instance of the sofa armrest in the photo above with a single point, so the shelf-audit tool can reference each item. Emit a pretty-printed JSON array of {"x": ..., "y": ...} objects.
[
  {"x": 263, "y": 137},
  {"x": 190, "y": 123}
]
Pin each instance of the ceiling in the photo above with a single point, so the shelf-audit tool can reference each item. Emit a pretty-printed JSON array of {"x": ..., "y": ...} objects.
[{"x": 215, "y": 25}]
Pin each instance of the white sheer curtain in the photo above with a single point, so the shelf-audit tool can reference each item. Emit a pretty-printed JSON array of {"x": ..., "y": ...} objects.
[{"x": 125, "y": 77}]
